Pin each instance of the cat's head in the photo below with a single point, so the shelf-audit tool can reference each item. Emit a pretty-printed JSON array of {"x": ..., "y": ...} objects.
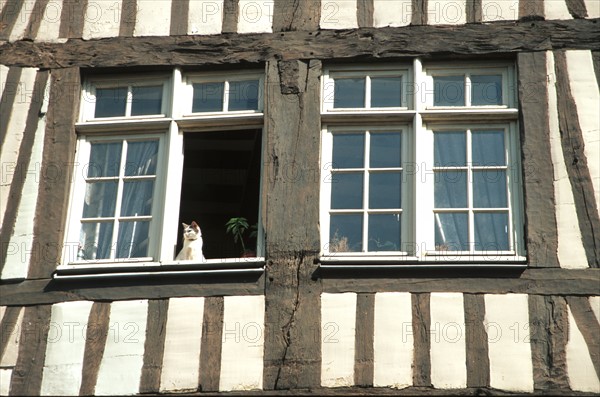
[{"x": 191, "y": 232}]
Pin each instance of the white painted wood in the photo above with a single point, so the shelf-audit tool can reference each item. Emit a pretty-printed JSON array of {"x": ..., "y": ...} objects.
[
  {"x": 393, "y": 344},
  {"x": 392, "y": 13},
  {"x": 5, "y": 376},
  {"x": 586, "y": 94},
  {"x": 205, "y": 17},
  {"x": 121, "y": 365},
  {"x": 2, "y": 311},
  {"x": 556, "y": 9},
  {"x": 255, "y": 16},
  {"x": 25, "y": 13},
  {"x": 499, "y": 10},
  {"x": 243, "y": 343},
  {"x": 65, "y": 348},
  {"x": 49, "y": 30},
  {"x": 571, "y": 254},
  {"x": 580, "y": 368},
  {"x": 595, "y": 303},
  {"x": 9, "y": 358},
  {"x": 17, "y": 264},
  {"x": 102, "y": 19},
  {"x": 507, "y": 325},
  {"x": 446, "y": 12},
  {"x": 181, "y": 360},
  {"x": 448, "y": 347},
  {"x": 338, "y": 333},
  {"x": 153, "y": 18},
  {"x": 338, "y": 14},
  {"x": 593, "y": 8}
]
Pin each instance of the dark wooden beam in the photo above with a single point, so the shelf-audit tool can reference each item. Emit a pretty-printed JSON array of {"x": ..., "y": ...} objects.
[
  {"x": 474, "y": 11},
  {"x": 179, "y": 17},
  {"x": 476, "y": 338},
  {"x": 154, "y": 345},
  {"x": 8, "y": 17},
  {"x": 365, "y": 330},
  {"x": 364, "y": 13},
  {"x": 290, "y": 15},
  {"x": 587, "y": 323},
  {"x": 231, "y": 10},
  {"x": 212, "y": 333},
  {"x": 35, "y": 20},
  {"x": 9, "y": 94},
  {"x": 128, "y": 17},
  {"x": 577, "y": 8},
  {"x": 421, "y": 322},
  {"x": 72, "y": 18},
  {"x": 95, "y": 341}
]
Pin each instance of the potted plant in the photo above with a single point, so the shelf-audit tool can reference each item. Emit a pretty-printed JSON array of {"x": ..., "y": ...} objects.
[{"x": 237, "y": 226}]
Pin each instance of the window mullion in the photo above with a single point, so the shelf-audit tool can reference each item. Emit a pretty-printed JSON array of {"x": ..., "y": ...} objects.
[
  {"x": 129, "y": 101},
  {"x": 367, "y": 92},
  {"x": 120, "y": 188},
  {"x": 471, "y": 214},
  {"x": 365, "y": 235},
  {"x": 468, "y": 89},
  {"x": 226, "y": 96}
]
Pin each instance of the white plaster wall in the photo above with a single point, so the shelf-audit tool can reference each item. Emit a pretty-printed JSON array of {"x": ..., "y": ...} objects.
[
  {"x": 153, "y": 18},
  {"x": 20, "y": 25},
  {"x": 50, "y": 26},
  {"x": 499, "y": 10},
  {"x": 121, "y": 365},
  {"x": 586, "y": 94},
  {"x": 507, "y": 324},
  {"x": 338, "y": 333},
  {"x": 392, "y": 13},
  {"x": 393, "y": 344},
  {"x": 446, "y": 12},
  {"x": 595, "y": 303},
  {"x": 65, "y": 348},
  {"x": 9, "y": 357},
  {"x": 243, "y": 343},
  {"x": 102, "y": 19},
  {"x": 5, "y": 376},
  {"x": 338, "y": 14},
  {"x": 593, "y": 8},
  {"x": 556, "y": 9},
  {"x": 181, "y": 360},
  {"x": 205, "y": 17},
  {"x": 2, "y": 311},
  {"x": 580, "y": 368},
  {"x": 255, "y": 16},
  {"x": 571, "y": 254}
]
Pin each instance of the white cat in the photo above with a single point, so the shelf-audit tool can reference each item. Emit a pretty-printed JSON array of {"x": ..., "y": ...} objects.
[{"x": 192, "y": 243}]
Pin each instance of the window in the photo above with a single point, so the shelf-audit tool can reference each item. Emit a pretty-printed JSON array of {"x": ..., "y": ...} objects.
[
  {"x": 420, "y": 164},
  {"x": 133, "y": 188}
]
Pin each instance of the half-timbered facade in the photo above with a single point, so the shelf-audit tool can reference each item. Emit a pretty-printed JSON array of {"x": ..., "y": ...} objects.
[{"x": 423, "y": 175}]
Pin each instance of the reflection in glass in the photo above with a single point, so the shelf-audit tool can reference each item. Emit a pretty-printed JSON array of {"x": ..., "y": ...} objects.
[
  {"x": 105, "y": 160},
  {"x": 384, "y": 189},
  {"x": 489, "y": 189},
  {"x": 450, "y": 149},
  {"x": 95, "y": 240},
  {"x": 450, "y": 189},
  {"x": 384, "y": 232},
  {"x": 449, "y": 90},
  {"x": 345, "y": 233},
  {"x": 386, "y": 92},
  {"x": 137, "y": 198},
  {"x": 486, "y": 90},
  {"x": 208, "y": 97},
  {"x": 348, "y": 150},
  {"x": 141, "y": 158},
  {"x": 491, "y": 232},
  {"x": 349, "y": 93},
  {"x": 385, "y": 149},
  {"x": 243, "y": 95},
  {"x": 347, "y": 190},
  {"x": 451, "y": 231},
  {"x": 100, "y": 199},
  {"x": 111, "y": 102},
  {"x": 488, "y": 148},
  {"x": 133, "y": 239},
  {"x": 146, "y": 100}
]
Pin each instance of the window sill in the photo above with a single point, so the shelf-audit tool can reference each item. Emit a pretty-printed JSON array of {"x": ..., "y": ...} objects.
[
  {"x": 367, "y": 116},
  {"x": 159, "y": 123},
  {"x": 391, "y": 262},
  {"x": 469, "y": 114}
]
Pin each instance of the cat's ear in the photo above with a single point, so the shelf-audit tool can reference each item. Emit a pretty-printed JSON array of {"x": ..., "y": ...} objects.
[
  {"x": 195, "y": 225},
  {"x": 184, "y": 225}
]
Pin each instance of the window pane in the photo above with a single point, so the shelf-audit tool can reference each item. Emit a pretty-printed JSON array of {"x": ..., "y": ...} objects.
[
  {"x": 146, "y": 100},
  {"x": 105, "y": 160},
  {"x": 449, "y": 90},
  {"x": 243, "y": 95},
  {"x": 384, "y": 189},
  {"x": 491, "y": 232},
  {"x": 349, "y": 93},
  {"x": 208, "y": 97},
  {"x": 100, "y": 199},
  {"x": 486, "y": 90},
  {"x": 488, "y": 148},
  {"x": 133, "y": 239},
  {"x": 450, "y": 149},
  {"x": 137, "y": 198},
  {"x": 348, "y": 150},
  {"x": 386, "y": 92},
  {"x": 347, "y": 190},
  {"x": 450, "y": 189},
  {"x": 384, "y": 232},
  {"x": 111, "y": 102},
  {"x": 451, "y": 232},
  {"x": 385, "y": 149},
  {"x": 95, "y": 240},
  {"x": 141, "y": 158},
  {"x": 345, "y": 233},
  {"x": 489, "y": 189}
]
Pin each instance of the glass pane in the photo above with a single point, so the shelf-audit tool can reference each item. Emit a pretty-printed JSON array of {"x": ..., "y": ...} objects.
[
  {"x": 348, "y": 150},
  {"x": 137, "y": 198},
  {"x": 345, "y": 233},
  {"x": 141, "y": 158},
  {"x": 489, "y": 189},
  {"x": 243, "y": 95},
  {"x": 451, "y": 232},
  {"x": 208, "y": 97},
  {"x": 450, "y": 149},
  {"x": 385, "y": 149},
  {"x": 105, "y": 160},
  {"x": 449, "y": 90},
  {"x": 491, "y": 232},
  {"x": 100, "y": 199},
  {"x": 111, "y": 102},
  {"x": 133, "y": 239},
  {"x": 386, "y": 92},
  {"x": 486, "y": 90},
  {"x": 488, "y": 148},
  {"x": 347, "y": 190},
  {"x": 450, "y": 189},
  {"x": 146, "y": 100},
  {"x": 384, "y": 189},
  {"x": 95, "y": 241},
  {"x": 349, "y": 93},
  {"x": 384, "y": 232}
]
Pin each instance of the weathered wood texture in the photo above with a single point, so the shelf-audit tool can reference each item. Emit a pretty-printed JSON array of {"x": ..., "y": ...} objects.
[
  {"x": 548, "y": 330},
  {"x": 576, "y": 162},
  {"x": 290, "y": 15},
  {"x": 540, "y": 206},
  {"x": 474, "y": 11},
  {"x": 577, "y": 8},
  {"x": 95, "y": 340},
  {"x": 179, "y": 17},
  {"x": 73, "y": 18},
  {"x": 55, "y": 179},
  {"x": 8, "y": 326},
  {"x": 419, "y": 12},
  {"x": 531, "y": 9},
  {"x": 210, "y": 353},
  {"x": 365, "y": 331},
  {"x": 8, "y": 17},
  {"x": 156, "y": 331},
  {"x": 421, "y": 314},
  {"x": 7, "y": 101},
  {"x": 127, "y": 23},
  {"x": 230, "y": 16},
  {"x": 588, "y": 326},
  {"x": 428, "y": 41},
  {"x": 364, "y": 13},
  {"x": 36, "y": 19},
  {"x": 476, "y": 340}
]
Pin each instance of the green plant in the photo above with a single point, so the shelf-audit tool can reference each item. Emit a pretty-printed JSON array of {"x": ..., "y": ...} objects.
[{"x": 237, "y": 226}]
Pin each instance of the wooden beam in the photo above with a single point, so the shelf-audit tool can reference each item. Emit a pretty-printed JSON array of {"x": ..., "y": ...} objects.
[
  {"x": 95, "y": 340},
  {"x": 421, "y": 314},
  {"x": 476, "y": 340},
  {"x": 154, "y": 345},
  {"x": 365, "y": 329},
  {"x": 212, "y": 332}
]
